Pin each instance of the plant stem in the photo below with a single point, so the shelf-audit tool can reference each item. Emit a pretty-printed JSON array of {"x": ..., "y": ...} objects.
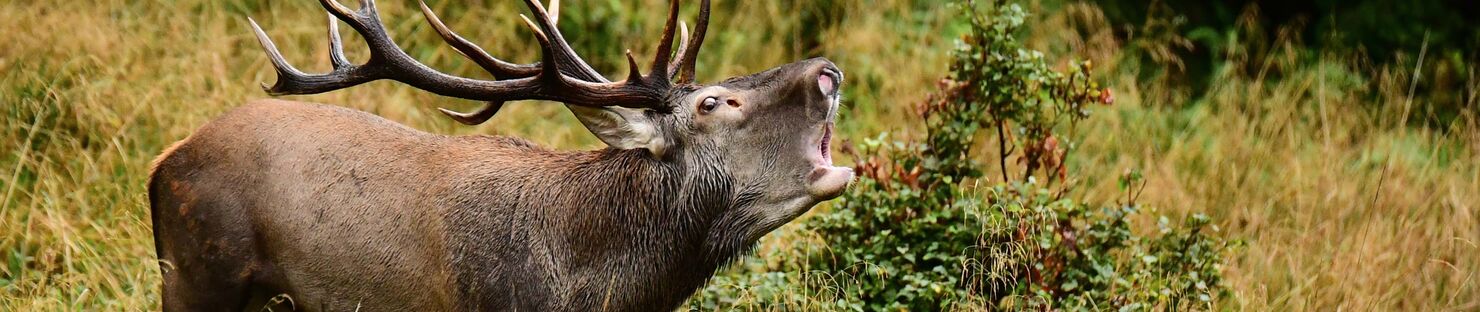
[{"x": 1002, "y": 149}]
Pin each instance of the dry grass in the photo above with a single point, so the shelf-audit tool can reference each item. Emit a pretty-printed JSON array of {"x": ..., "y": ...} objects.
[{"x": 1341, "y": 205}]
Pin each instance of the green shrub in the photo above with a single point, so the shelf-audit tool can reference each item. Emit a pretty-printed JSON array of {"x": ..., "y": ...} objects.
[{"x": 924, "y": 229}]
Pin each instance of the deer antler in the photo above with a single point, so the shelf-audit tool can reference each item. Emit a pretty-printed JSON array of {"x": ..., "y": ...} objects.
[
  {"x": 661, "y": 61},
  {"x": 690, "y": 48},
  {"x": 497, "y": 67},
  {"x": 561, "y": 76}
]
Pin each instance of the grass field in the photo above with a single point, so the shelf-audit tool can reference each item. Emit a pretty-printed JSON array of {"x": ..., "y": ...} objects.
[{"x": 1342, "y": 203}]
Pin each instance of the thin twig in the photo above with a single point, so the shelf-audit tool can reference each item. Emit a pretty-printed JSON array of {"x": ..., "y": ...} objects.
[{"x": 1002, "y": 149}]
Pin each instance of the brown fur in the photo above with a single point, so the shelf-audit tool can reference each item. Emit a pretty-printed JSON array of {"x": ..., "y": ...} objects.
[
  {"x": 168, "y": 150},
  {"x": 340, "y": 210}
]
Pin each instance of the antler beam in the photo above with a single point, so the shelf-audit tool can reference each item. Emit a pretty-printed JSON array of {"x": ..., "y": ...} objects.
[{"x": 561, "y": 76}]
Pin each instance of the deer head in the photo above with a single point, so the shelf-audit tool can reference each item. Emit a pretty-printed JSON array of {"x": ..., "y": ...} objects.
[{"x": 768, "y": 132}]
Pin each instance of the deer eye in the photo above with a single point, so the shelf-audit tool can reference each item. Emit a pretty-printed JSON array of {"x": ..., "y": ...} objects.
[{"x": 708, "y": 105}]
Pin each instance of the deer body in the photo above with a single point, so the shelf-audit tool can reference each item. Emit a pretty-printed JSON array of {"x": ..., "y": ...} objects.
[
  {"x": 424, "y": 220},
  {"x": 327, "y": 208}
]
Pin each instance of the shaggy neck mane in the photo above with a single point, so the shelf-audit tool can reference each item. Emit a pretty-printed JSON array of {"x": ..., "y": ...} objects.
[
  {"x": 625, "y": 211},
  {"x": 676, "y": 208},
  {"x": 691, "y": 205}
]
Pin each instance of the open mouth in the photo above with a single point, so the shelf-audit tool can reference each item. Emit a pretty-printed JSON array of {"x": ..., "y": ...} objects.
[
  {"x": 826, "y": 181},
  {"x": 826, "y": 146},
  {"x": 828, "y": 82},
  {"x": 820, "y": 153}
]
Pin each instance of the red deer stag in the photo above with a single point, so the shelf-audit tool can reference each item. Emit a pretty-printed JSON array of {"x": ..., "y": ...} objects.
[{"x": 337, "y": 209}]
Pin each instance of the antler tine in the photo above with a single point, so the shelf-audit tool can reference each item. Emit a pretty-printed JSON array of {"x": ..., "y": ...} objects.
[
  {"x": 665, "y": 45},
  {"x": 691, "y": 53},
  {"x": 499, "y": 68},
  {"x": 551, "y": 73},
  {"x": 633, "y": 73},
  {"x": 549, "y": 68},
  {"x": 339, "y": 10},
  {"x": 336, "y": 47},
  {"x": 365, "y": 21},
  {"x": 476, "y": 117},
  {"x": 562, "y": 50},
  {"x": 293, "y": 81},
  {"x": 683, "y": 45},
  {"x": 281, "y": 65}
]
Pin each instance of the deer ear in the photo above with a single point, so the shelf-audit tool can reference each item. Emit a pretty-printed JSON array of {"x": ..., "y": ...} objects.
[{"x": 622, "y": 128}]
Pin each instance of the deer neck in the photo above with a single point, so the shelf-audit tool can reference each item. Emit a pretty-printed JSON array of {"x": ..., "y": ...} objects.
[
  {"x": 656, "y": 218},
  {"x": 655, "y": 226},
  {"x": 675, "y": 203}
]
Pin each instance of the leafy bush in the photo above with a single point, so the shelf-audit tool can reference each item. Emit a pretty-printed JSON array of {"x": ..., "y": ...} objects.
[{"x": 924, "y": 229}]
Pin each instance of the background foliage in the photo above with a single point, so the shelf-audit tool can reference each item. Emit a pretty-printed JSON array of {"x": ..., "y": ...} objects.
[
  {"x": 1434, "y": 38},
  {"x": 920, "y": 231},
  {"x": 1321, "y": 156}
]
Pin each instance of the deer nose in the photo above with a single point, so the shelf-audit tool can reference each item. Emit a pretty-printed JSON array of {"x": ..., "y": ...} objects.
[
  {"x": 827, "y": 84},
  {"x": 829, "y": 77}
]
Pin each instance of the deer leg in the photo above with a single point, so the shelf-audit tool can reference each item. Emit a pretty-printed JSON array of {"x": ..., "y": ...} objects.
[{"x": 206, "y": 251}]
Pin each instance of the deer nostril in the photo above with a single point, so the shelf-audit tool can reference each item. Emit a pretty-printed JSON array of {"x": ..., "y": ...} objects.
[
  {"x": 829, "y": 80},
  {"x": 827, "y": 83}
]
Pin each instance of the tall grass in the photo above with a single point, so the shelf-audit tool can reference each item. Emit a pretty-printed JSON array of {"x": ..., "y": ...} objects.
[
  {"x": 1341, "y": 204},
  {"x": 1343, "y": 201}
]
